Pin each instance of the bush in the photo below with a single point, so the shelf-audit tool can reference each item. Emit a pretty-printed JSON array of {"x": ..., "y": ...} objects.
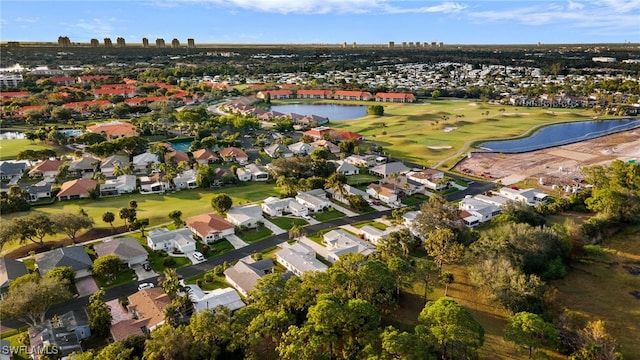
[
  {"x": 162, "y": 253},
  {"x": 209, "y": 277},
  {"x": 169, "y": 262},
  {"x": 593, "y": 251},
  {"x": 199, "y": 282},
  {"x": 204, "y": 249}
]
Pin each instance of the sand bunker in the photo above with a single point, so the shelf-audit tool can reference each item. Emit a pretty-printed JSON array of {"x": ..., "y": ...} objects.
[
  {"x": 439, "y": 147},
  {"x": 449, "y": 129}
]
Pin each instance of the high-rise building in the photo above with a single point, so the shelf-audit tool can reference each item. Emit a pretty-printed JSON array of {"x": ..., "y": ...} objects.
[
  {"x": 392, "y": 44},
  {"x": 191, "y": 44},
  {"x": 175, "y": 43},
  {"x": 160, "y": 42},
  {"x": 107, "y": 42},
  {"x": 63, "y": 41},
  {"x": 95, "y": 43},
  {"x": 145, "y": 42},
  {"x": 120, "y": 41}
]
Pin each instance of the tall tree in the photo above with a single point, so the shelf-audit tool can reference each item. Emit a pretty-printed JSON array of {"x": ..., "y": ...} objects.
[
  {"x": 107, "y": 266},
  {"x": 221, "y": 203},
  {"x": 596, "y": 343},
  {"x": 441, "y": 245},
  {"x": 452, "y": 327},
  {"x": 70, "y": 224},
  {"x": 530, "y": 331},
  {"x": 109, "y": 217},
  {"x": 176, "y": 216},
  {"x": 170, "y": 282},
  {"x": 99, "y": 314},
  {"x": 33, "y": 227},
  {"x": 30, "y": 301}
]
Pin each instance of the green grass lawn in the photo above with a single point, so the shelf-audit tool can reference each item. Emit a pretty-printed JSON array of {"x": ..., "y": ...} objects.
[
  {"x": 375, "y": 224},
  {"x": 221, "y": 247},
  {"x": 123, "y": 277},
  {"x": 30, "y": 263},
  {"x": 287, "y": 223},
  {"x": 328, "y": 215},
  {"x": 12, "y": 338},
  {"x": 415, "y": 199},
  {"x": 217, "y": 283},
  {"x": 362, "y": 179},
  {"x": 9, "y": 149},
  {"x": 253, "y": 235},
  {"x": 157, "y": 261}
]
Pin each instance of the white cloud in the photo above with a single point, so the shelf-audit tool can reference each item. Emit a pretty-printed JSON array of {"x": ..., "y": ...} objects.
[
  {"x": 575, "y": 6},
  {"x": 334, "y": 6},
  {"x": 92, "y": 28},
  {"x": 27, "y": 20}
]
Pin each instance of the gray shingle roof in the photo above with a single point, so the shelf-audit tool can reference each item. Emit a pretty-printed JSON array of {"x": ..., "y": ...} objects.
[
  {"x": 73, "y": 256},
  {"x": 125, "y": 248},
  {"x": 11, "y": 269}
]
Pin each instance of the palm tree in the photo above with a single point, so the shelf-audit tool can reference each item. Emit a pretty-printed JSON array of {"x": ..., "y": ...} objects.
[
  {"x": 296, "y": 232},
  {"x": 446, "y": 278},
  {"x": 336, "y": 183}
]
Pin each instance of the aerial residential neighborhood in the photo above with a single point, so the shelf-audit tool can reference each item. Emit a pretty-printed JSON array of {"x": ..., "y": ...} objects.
[{"x": 179, "y": 201}]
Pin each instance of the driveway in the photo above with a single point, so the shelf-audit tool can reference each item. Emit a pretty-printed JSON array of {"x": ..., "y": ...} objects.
[
  {"x": 143, "y": 274},
  {"x": 86, "y": 286},
  {"x": 319, "y": 249},
  {"x": 236, "y": 241},
  {"x": 347, "y": 212},
  {"x": 273, "y": 227}
]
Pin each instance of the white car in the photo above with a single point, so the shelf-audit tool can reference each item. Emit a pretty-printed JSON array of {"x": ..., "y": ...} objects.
[
  {"x": 198, "y": 256},
  {"x": 145, "y": 286},
  {"x": 306, "y": 217}
]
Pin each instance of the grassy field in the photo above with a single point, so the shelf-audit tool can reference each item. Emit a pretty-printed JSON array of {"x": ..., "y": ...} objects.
[
  {"x": 287, "y": 223},
  {"x": 407, "y": 131},
  {"x": 9, "y": 149},
  {"x": 600, "y": 289}
]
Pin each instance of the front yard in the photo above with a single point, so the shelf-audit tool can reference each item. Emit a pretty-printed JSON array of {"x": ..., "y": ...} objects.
[
  {"x": 328, "y": 215},
  {"x": 287, "y": 223},
  {"x": 123, "y": 277},
  {"x": 253, "y": 235}
]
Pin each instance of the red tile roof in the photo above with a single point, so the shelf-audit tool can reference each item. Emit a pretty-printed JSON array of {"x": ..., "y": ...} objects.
[
  {"x": 84, "y": 104},
  {"x": 208, "y": 223},
  {"x": 315, "y": 92},
  {"x": 179, "y": 156},
  {"x": 12, "y": 94},
  {"x": 120, "y": 91},
  {"x": 406, "y": 96},
  {"x": 77, "y": 187},
  {"x": 204, "y": 154},
  {"x": 148, "y": 305},
  {"x": 115, "y": 128},
  {"x": 47, "y": 165},
  {"x": 145, "y": 100},
  {"x": 233, "y": 152},
  {"x": 276, "y": 92},
  {"x": 352, "y": 93}
]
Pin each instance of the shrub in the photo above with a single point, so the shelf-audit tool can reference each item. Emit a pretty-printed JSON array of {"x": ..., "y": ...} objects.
[
  {"x": 199, "y": 282},
  {"x": 209, "y": 277},
  {"x": 169, "y": 262},
  {"x": 204, "y": 249}
]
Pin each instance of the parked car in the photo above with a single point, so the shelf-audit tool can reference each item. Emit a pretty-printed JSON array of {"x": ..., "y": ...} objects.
[
  {"x": 198, "y": 256},
  {"x": 306, "y": 217},
  {"x": 145, "y": 286}
]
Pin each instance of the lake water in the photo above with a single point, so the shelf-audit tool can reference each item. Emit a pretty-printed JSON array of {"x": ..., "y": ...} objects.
[
  {"x": 561, "y": 134},
  {"x": 332, "y": 112}
]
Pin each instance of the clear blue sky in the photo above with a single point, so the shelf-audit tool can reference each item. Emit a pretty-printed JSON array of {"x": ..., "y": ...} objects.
[{"x": 325, "y": 21}]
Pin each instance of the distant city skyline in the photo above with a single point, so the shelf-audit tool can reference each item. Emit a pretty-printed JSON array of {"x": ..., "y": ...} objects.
[{"x": 324, "y": 21}]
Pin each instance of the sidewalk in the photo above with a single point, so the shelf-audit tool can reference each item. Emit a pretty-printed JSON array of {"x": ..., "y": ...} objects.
[
  {"x": 236, "y": 241},
  {"x": 273, "y": 227}
]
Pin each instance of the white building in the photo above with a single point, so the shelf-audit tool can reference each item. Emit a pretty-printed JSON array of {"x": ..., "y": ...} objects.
[
  {"x": 275, "y": 207},
  {"x": 209, "y": 300},
  {"x": 339, "y": 242},
  {"x": 299, "y": 258},
  {"x": 186, "y": 180},
  {"x": 314, "y": 200},
  {"x": 529, "y": 196},
  {"x": 247, "y": 216},
  {"x": 123, "y": 184},
  {"x": 165, "y": 239}
]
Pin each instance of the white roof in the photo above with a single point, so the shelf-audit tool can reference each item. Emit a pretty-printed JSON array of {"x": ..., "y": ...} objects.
[
  {"x": 301, "y": 257},
  {"x": 227, "y": 297}
]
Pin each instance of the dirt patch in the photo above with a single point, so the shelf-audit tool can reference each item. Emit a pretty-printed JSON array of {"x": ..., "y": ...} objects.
[
  {"x": 92, "y": 234},
  {"x": 560, "y": 166}
]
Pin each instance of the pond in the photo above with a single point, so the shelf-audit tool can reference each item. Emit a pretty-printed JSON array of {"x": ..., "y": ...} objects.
[
  {"x": 561, "y": 134},
  {"x": 333, "y": 112}
]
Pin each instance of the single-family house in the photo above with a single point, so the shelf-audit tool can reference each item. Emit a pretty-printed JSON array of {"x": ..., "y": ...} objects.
[
  {"x": 529, "y": 196},
  {"x": 361, "y": 160},
  {"x": 210, "y": 227},
  {"x": 234, "y": 154},
  {"x": 245, "y": 216},
  {"x": 343, "y": 196},
  {"x": 12, "y": 170},
  {"x": 154, "y": 184},
  {"x": 327, "y": 145},
  {"x": 40, "y": 190},
  {"x": 311, "y": 120},
  {"x": 384, "y": 170},
  {"x": 146, "y": 308},
  {"x": 144, "y": 162},
  {"x": 186, "y": 179},
  {"x": 257, "y": 172},
  {"x": 409, "y": 221},
  {"x": 168, "y": 240},
  {"x": 205, "y": 156},
  {"x": 72, "y": 256},
  {"x": 85, "y": 165},
  {"x": 109, "y": 164},
  {"x": 209, "y": 300},
  {"x": 339, "y": 242},
  {"x": 127, "y": 249},
  {"x": 243, "y": 174},
  {"x": 10, "y": 269},
  {"x": 387, "y": 193},
  {"x": 277, "y": 151},
  {"x": 477, "y": 211},
  {"x": 274, "y": 207},
  {"x": 300, "y": 148},
  {"x": 123, "y": 184},
  {"x": 373, "y": 234},
  {"x": 46, "y": 169},
  {"x": 314, "y": 200},
  {"x": 176, "y": 157},
  {"x": 299, "y": 258},
  {"x": 405, "y": 185},
  {"x": 345, "y": 168},
  {"x": 113, "y": 130},
  {"x": 318, "y": 133},
  {"x": 76, "y": 189},
  {"x": 65, "y": 333},
  {"x": 430, "y": 178},
  {"x": 245, "y": 274}
]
